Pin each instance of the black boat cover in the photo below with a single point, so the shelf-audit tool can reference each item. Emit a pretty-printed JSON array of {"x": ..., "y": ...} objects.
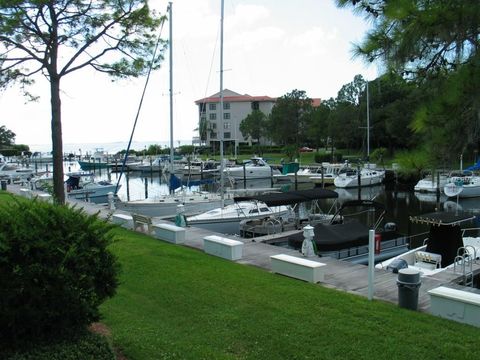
[
  {"x": 445, "y": 236},
  {"x": 290, "y": 197},
  {"x": 335, "y": 237}
]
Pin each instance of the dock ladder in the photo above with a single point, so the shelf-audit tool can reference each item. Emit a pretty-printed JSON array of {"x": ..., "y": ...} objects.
[{"x": 465, "y": 258}]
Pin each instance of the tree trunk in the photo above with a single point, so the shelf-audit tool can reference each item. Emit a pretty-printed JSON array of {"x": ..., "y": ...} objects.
[{"x": 57, "y": 143}]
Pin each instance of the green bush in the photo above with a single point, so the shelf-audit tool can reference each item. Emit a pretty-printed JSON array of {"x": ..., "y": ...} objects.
[
  {"x": 83, "y": 345},
  {"x": 55, "y": 269}
]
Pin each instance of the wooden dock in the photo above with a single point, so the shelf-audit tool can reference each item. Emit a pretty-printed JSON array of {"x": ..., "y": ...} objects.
[{"x": 341, "y": 275}]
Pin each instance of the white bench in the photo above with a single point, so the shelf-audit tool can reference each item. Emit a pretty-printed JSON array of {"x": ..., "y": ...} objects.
[
  {"x": 169, "y": 232},
  {"x": 27, "y": 193},
  {"x": 225, "y": 248},
  {"x": 45, "y": 197},
  {"x": 303, "y": 269},
  {"x": 458, "y": 305},
  {"x": 123, "y": 220}
]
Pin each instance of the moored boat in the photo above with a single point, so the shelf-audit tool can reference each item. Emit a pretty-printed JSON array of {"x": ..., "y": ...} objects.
[
  {"x": 255, "y": 168},
  {"x": 299, "y": 217},
  {"x": 226, "y": 219},
  {"x": 463, "y": 185},
  {"x": 447, "y": 245},
  {"x": 347, "y": 238},
  {"x": 351, "y": 178}
]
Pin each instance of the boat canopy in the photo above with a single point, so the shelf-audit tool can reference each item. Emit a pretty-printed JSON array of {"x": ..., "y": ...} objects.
[
  {"x": 290, "y": 197},
  {"x": 442, "y": 218}
]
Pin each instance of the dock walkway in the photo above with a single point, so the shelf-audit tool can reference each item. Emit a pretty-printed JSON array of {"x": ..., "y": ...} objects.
[{"x": 341, "y": 275}]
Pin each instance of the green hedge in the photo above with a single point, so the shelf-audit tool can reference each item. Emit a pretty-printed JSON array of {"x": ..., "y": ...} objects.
[{"x": 55, "y": 269}]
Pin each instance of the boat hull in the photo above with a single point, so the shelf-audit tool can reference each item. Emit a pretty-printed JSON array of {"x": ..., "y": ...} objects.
[
  {"x": 370, "y": 179},
  {"x": 87, "y": 165}
]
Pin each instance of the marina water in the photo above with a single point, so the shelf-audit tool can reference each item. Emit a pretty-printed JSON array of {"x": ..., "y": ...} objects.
[{"x": 399, "y": 204}]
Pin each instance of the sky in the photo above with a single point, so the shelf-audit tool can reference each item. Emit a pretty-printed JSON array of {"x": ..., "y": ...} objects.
[{"x": 271, "y": 47}]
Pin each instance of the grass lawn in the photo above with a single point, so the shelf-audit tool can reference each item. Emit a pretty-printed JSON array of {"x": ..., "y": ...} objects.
[{"x": 178, "y": 303}]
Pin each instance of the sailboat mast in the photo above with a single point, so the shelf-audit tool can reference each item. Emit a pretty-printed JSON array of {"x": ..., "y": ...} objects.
[
  {"x": 221, "y": 107},
  {"x": 170, "y": 46},
  {"x": 368, "y": 124}
]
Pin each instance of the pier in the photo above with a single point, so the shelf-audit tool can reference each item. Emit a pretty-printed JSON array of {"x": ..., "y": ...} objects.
[{"x": 340, "y": 275}]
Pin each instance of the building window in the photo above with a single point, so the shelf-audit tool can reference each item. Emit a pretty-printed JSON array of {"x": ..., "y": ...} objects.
[
  {"x": 213, "y": 135},
  {"x": 202, "y": 108},
  {"x": 255, "y": 105},
  {"x": 226, "y": 116},
  {"x": 226, "y": 135},
  {"x": 213, "y": 126},
  {"x": 226, "y": 106},
  {"x": 226, "y": 125},
  {"x": 213, "y": 116},
  {"x": 212, "y": 106}
]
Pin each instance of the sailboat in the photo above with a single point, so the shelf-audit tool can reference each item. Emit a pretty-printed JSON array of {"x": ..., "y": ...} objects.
[
  {"x": 167, "y": 204},
  {"x": 365, "y": 176}
]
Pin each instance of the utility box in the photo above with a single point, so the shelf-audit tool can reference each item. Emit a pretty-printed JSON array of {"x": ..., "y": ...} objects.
[{"x": 290, "y": 168}]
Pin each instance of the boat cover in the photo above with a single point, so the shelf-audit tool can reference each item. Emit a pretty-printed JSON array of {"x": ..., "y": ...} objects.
[
  {"x": 445, "y": 235},
  {"x": 331, "y": 237},
  {"x": 290, "y": 197}
]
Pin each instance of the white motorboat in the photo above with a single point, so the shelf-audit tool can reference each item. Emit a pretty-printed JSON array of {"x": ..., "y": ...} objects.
[
  {"x": 463, "y": 185},
  {"x": 330, "y": 172},
  {"x": 447, "y": 246},
  {"x": 82, "y": 186},
  {"x": 156, "y": 164},
  {"x": 432, "y": 183},
  {"x": 349, "y": 178},
  {"x": 303, "y": 175},
  {"x": 226, "y": 219},
  {"x": 201, "y": 168},
  {"x": 299, "y": 217},
  {"x": 255, "y": 168},
  {"x": 13, "y": 172}
]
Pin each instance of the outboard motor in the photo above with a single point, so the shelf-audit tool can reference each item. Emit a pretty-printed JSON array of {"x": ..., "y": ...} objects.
[
  {"x": 396, "y": 265},
  {"x": 390, "y": 226}
]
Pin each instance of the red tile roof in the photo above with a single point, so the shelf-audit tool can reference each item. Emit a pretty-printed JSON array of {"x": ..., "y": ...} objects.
[
  {"x": 247, "y": 98},
  {"x": 241, "y": 98}
]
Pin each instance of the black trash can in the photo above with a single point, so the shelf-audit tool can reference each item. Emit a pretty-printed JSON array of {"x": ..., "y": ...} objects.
[
  {"x": 408, "y": 283},
  {"x": 4, "y": 185}
]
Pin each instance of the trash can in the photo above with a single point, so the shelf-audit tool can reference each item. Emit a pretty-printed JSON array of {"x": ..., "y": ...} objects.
[
  {"x": 4, "y": 185},
  {"x": 408, "y": 283}
]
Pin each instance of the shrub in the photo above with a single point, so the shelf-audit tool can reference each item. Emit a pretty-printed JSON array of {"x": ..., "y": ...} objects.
[
  {"x": 378, "y": 155},
  {"x": 55, "y": 269}
]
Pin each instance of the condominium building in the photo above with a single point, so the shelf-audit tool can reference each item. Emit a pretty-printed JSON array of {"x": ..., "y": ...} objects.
[{"x": 236, "y": 107}]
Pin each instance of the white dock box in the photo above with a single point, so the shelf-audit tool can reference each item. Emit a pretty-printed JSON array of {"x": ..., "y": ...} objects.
[
  {"x": 458, "y": 305},
  {"x": 225, "y": 248},
  {"x": 169, "y": 232},
  {"x": 123, "y": 220},
  {"x": 303, "y": 269}
]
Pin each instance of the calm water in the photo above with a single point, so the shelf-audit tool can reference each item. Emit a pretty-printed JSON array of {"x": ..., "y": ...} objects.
[{"x": 400, "y": 205}]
